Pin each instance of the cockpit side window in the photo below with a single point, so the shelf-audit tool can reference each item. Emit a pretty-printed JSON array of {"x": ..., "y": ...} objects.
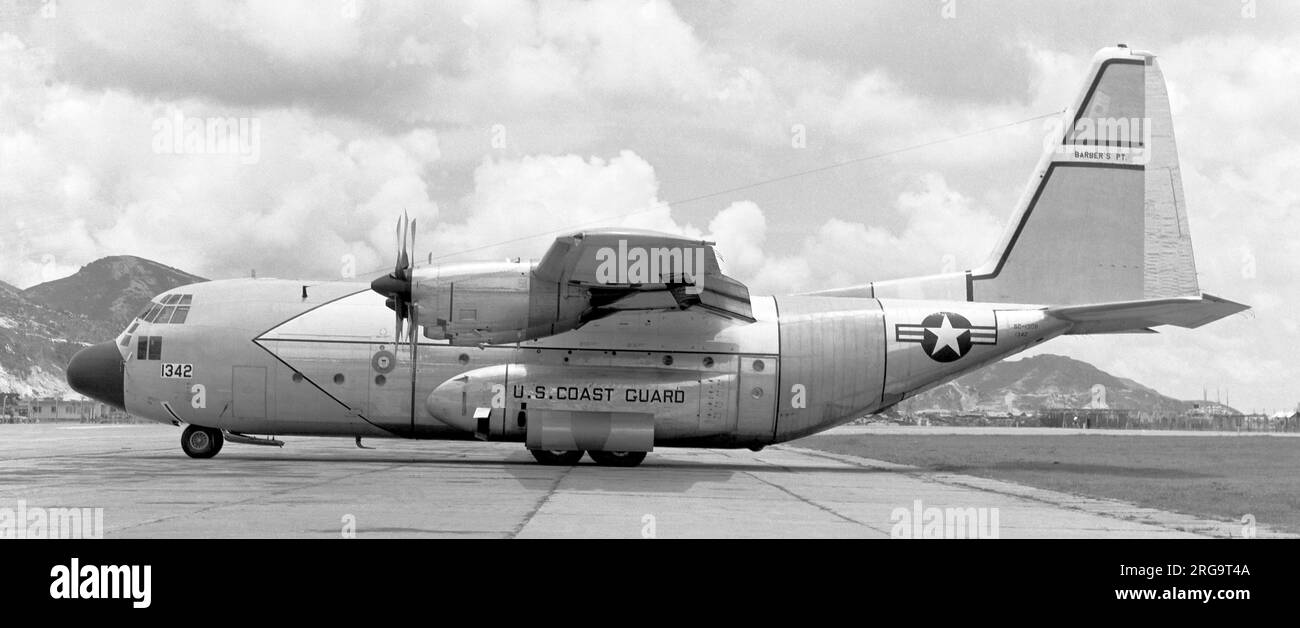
[{"x": 148, "y": 348}]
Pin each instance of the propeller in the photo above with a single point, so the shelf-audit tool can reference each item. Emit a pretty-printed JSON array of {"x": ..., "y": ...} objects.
[{"x": 397, "y": 285}]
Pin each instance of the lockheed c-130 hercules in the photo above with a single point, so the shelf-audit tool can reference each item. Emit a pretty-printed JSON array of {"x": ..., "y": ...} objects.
[{"x": 618, "y": 341}]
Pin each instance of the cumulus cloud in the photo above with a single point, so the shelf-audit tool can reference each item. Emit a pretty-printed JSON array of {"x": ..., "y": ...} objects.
[
  {"x": 519, "y": 206},
  {"x": 942, "y": 231},
  {"x": 83, "y": 178}
]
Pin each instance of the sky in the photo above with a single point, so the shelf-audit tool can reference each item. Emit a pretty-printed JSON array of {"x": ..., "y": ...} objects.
[{"x": 286, "y": 137}]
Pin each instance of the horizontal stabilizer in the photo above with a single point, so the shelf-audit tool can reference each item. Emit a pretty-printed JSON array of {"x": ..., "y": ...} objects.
[{"x": 1139, "y": 316}]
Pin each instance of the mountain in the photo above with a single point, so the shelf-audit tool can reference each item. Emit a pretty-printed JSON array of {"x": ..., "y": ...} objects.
[
  {"x": 111, "y": 289},
  {"x": 1039, "y": 382},
  {"x": 36, "y": 343},
  {"x": 41, "y": 327}
]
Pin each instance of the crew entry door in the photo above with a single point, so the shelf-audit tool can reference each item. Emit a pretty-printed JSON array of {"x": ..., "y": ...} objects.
[{"x": 248, "y": 387}]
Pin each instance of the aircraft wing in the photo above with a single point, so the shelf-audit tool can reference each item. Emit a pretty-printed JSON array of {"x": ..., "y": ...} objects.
[{"x": 627, "y": 269}]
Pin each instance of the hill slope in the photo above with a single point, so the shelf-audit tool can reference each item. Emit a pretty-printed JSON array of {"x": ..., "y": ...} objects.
[
  {"x": 1039, "y": 382},
  {"x": 41, "y": 327},
  {"x": 36, "y": 343},
  {"x": 110, "y": 289}
]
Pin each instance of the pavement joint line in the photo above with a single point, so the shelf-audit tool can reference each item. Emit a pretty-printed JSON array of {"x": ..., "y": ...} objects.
[
  {"x": 1102, "y": 507},
  {"x": 805, "y": 499},
  {"x": 105, "y": 454},
  {"x": 257, "y": 497},
  {"x": 948, "y": 479},
  {"x": 542, "y": 502}
]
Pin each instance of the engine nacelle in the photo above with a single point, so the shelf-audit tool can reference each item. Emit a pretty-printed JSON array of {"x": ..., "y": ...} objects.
[{"x": 494, "y": 302}]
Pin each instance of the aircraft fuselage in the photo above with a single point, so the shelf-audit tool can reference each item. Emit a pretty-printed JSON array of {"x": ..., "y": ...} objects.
[{"x": 256, "y": 357}]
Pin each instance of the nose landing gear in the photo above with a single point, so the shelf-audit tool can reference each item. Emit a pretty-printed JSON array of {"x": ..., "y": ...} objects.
[{"x": 201, "y": 442}]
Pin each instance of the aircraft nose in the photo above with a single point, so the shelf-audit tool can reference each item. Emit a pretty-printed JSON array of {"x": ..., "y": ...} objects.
[{"x": 96, "y": 372}]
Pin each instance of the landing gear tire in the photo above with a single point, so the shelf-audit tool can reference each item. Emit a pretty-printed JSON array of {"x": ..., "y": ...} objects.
[
  {"x": 557, "y": 458},
  {"x": 617, "y": 458},
  {"x": 201, "y": 442}
]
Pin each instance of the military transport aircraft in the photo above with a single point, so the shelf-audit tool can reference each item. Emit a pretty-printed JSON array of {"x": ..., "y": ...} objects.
[{"x": 619, "y": 341}]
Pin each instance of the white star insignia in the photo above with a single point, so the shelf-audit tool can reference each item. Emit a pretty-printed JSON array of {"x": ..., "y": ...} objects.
[{"x": 946, "y": 336}]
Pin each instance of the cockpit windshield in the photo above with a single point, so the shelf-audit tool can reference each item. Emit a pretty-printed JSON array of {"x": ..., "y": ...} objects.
[{"x": 168, "y": 309}]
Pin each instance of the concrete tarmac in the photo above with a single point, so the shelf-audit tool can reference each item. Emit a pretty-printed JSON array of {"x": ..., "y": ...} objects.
[{"x": 324, "y": 487}]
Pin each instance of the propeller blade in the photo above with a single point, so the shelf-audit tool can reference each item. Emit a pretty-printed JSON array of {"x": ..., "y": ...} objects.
[
  {"x": 400, "y": 242},
  {"x": 415, "y": 330}
]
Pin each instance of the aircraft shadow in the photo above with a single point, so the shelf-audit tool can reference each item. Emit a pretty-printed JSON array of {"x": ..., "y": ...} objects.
[{"x": 652, "y": 476}]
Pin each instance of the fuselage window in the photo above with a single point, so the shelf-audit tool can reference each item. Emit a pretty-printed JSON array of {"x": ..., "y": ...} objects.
[
  {"x": 142, "y": 348},
  {"x": 155, "y": 347}
]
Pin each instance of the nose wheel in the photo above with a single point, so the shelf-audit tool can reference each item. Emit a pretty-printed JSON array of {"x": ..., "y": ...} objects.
[{"x": 201, "y": 442}]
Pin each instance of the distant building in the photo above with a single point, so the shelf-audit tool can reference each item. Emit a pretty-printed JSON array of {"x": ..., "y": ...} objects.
[
  {"x": 1089, "y": 418},
  {"x": 52, "y": 409}
]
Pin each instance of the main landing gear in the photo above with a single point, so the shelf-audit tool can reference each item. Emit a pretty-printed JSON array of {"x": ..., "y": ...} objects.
[
  {"x": 602, "y": 458},
  {"x": 617, "y": 458},
  {"x": 201, "y": 442}
]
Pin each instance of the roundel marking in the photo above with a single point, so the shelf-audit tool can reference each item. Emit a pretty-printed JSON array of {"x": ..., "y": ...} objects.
[
  {"x": 383, "y": 361},
  {"x": 946, "y": 336}
]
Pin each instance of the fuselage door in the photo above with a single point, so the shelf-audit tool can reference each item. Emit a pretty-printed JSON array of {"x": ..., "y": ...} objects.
[
  {"x": 756, "y": 405},
  {"x": 248, "y": 387}
]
